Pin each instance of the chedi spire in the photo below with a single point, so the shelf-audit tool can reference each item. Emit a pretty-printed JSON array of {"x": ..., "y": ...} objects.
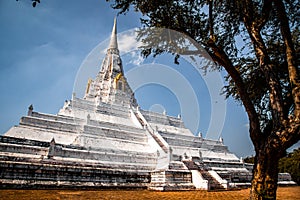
[
  {"x": 113, "y": 39},
  {"x": 110, "y": 85}
]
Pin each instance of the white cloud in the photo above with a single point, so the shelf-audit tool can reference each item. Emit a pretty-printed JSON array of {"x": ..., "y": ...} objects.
[
  {"x": 135, "y": 58},
  {"x": 127, "y": 41}
]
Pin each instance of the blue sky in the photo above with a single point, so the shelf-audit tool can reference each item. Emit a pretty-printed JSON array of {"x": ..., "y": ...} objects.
[{"x": 42, "y": 49}]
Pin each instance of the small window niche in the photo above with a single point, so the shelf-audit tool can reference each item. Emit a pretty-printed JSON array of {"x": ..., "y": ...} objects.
[{"x": 120, "y": 85}]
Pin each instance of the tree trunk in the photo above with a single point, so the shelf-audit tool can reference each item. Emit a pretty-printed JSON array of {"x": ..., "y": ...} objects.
[{"x": 265, "y": 174}]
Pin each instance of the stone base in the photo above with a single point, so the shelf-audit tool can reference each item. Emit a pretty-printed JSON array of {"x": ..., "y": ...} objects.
[
  {"x": 171, "y": 180},
  {"x": 16, "y": 174},
  {"x": 38, "y": 184},
  {"x": 36, "y": 164}
]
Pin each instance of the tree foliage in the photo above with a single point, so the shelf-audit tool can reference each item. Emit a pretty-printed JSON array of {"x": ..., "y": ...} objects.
[
  {"x": 291, "y": 164},
  {"x": 226, "y": 31},
  {"x": 249, "y": 159}
]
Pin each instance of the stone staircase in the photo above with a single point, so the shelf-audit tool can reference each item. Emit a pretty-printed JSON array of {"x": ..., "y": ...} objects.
[
  {"x": 157, "y": 139},
  {"x": 160, "y": 141},
  {"x": 191, "y": 165},
  {"x": 213, "y": 184}
]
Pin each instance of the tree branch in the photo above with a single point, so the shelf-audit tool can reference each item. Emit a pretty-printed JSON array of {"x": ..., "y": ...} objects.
[
  {"x": 210, "y": 20},
  {"x": 265, "y": 13},
  {"x": 285, "y": 137},
  {"x": 221, "y": 57},
  {"x": 290, "y": 55},
  {"x": 276, "y": 99}
]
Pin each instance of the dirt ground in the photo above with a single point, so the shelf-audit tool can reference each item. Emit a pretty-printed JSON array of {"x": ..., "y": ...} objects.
[{"x": 283, "y": 193}]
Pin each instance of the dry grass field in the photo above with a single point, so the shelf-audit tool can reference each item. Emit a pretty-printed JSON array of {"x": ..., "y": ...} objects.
[{"x": 284, "y": 193}]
